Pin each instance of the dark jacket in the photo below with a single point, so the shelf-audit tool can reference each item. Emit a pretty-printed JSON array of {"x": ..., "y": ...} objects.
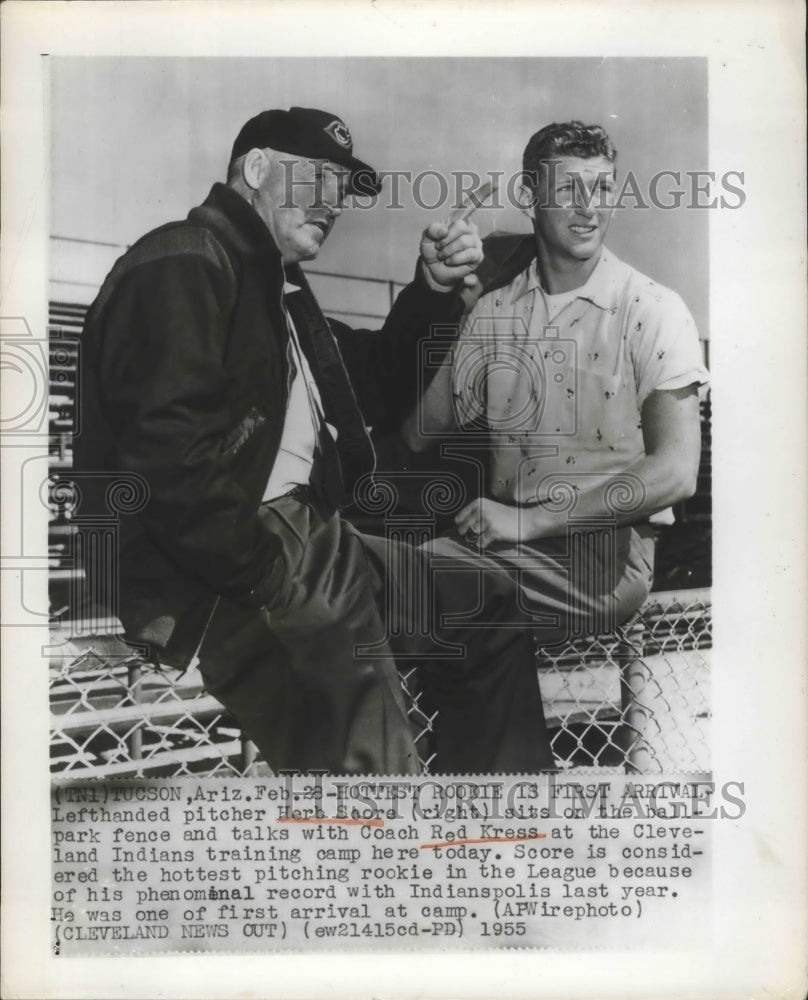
[
  {"x": 184, "y": 382},
  {"x": 506, "y": 255}
]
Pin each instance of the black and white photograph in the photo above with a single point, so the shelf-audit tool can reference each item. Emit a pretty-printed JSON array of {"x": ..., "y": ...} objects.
[
  {"x": 447, "y": 537},
  {"x": 383, "y": 425}
]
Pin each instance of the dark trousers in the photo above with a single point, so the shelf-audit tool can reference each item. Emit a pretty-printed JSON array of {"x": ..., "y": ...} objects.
[{"x": 315, "y": 684}]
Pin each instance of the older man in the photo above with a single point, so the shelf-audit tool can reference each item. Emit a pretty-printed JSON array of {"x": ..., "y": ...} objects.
[
  {"x": 209, "y": 370},
  {"x": 581, "y": 374}
]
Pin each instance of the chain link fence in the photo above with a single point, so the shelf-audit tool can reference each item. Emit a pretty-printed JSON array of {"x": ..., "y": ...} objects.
[
  {"x": 634, "y": 700},
  {"x": 637, "y": 699},
  {"x": 114, "y": 714}
]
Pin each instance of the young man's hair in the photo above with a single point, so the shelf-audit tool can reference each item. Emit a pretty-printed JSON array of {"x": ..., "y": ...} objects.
[{"x": 565, "y": 139}]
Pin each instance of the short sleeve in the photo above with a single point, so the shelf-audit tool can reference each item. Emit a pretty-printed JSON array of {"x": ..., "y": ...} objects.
[{"x": 664, "y": 343}]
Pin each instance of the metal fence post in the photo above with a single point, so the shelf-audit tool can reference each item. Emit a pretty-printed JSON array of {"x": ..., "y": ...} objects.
[
  {"x": 134, "y": 741},
  {"x": 664, "y": 701},
  {"x": 249, "y": 754}
]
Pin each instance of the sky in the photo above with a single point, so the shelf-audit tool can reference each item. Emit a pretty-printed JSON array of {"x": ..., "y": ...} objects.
[{"x": 137, "y": 141}]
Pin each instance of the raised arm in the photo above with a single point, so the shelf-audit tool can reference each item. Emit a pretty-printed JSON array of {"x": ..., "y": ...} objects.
[
  {"x": 385, "y": 366},
  {"x": 434, "y": 413}
]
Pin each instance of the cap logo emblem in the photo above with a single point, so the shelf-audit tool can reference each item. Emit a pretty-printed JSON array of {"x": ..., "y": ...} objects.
[{"x": 339, "y": 132}]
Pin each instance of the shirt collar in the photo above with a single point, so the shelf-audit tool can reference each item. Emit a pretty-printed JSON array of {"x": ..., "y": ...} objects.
[{"x": 602, "y": 287}]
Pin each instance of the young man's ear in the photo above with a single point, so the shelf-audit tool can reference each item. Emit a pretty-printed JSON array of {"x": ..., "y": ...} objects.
[{"x": 527, "y": 196}]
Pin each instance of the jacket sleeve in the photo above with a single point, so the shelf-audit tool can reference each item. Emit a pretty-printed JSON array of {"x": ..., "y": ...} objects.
[
  {"x": 162, "y": 379},
  {"x": 387, "y": 368}
]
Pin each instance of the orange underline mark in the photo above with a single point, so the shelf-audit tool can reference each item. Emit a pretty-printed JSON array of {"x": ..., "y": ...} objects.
[
  {"x": 486, "y": 840},
  {"x": 338, "y": 820}
]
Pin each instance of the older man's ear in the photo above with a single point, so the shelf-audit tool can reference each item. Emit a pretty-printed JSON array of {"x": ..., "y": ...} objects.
[{"x": 254, "y": 168}]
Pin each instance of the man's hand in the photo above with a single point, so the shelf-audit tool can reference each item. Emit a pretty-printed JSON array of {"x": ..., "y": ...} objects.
[
  {"x": 450, "y": 252},
  {"x": 484, "y": 521}
]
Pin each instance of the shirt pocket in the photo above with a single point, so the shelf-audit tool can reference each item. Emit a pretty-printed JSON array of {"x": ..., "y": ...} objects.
[
  {"x": 597, "y": 354},
  {"x": 604, "y": 412}
]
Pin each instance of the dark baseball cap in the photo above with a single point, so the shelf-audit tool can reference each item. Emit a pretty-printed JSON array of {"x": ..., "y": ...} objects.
[{"x": 317, "y": 135}]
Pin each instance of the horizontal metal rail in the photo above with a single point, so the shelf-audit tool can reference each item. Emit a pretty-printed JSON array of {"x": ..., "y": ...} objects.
[
  {"x": 77, "y": 723},
  {"x": 166, "y": 758}
]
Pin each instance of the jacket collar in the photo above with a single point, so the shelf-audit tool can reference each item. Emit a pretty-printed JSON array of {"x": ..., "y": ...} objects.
[{"x": 234, "y": 218}]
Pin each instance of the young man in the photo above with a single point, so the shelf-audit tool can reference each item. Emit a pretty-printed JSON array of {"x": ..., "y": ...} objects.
[
  {"x": 209, "y": 371},
  {"x": 583, "y": 375}
]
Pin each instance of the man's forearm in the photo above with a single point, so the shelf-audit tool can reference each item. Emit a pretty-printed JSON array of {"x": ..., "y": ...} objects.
[
  {"x": 651, "y": 484},
  {"x": 384, "y": 365},
  {"x": 433, "y": 416}
]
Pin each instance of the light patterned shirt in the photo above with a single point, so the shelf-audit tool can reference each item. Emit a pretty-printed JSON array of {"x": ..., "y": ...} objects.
[{"x": 562, "y": 397}]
